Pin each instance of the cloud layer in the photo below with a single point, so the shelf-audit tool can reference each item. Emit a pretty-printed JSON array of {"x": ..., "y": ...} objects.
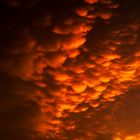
[{"x": 64, "y": 65}]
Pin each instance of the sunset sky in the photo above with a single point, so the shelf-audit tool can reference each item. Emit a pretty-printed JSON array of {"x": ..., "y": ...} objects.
[{"x": 70, "y": 70}]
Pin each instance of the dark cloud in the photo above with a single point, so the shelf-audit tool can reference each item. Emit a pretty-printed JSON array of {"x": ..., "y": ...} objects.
[{"x": 17, "y": 108}]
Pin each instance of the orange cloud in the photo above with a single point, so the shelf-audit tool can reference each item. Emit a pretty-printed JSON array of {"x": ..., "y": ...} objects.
[
  {"x": 55, "y": 60},
  {"x": 81, "y": 12},
  {"x": 73, "y": 42},
  {"x": 78, "y": 87},
  {"x": 70, "y": 75},
  {"x": 91, "y": 1}
]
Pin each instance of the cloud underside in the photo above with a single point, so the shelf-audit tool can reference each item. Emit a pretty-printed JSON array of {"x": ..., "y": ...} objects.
[{"x": 67, "y": 70}]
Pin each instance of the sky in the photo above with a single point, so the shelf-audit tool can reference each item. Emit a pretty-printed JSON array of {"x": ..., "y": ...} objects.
[{"x": 69, "y": 70}]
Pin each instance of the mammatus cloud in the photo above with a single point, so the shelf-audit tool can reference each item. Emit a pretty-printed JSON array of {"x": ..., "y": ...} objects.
[{"x": 64, "y": 66}]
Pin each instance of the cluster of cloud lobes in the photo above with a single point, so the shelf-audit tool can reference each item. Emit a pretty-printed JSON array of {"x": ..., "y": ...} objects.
[
  {"x": 56, "y": 73},
  {"x": 137, "y": 137}
]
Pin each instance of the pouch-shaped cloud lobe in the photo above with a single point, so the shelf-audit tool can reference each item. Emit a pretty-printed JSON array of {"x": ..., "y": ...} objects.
[{"x": 66, "y": 69}]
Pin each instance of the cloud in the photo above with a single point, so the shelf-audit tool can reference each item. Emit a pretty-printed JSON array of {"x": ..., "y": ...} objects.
[
  {"x": 17, "y": 108},
  {"x": 91, "y": 1},
  {"x": 55, "y": 60},
  {"x": 64, "y": 67},
  {"x": 22, "y": 3}
]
